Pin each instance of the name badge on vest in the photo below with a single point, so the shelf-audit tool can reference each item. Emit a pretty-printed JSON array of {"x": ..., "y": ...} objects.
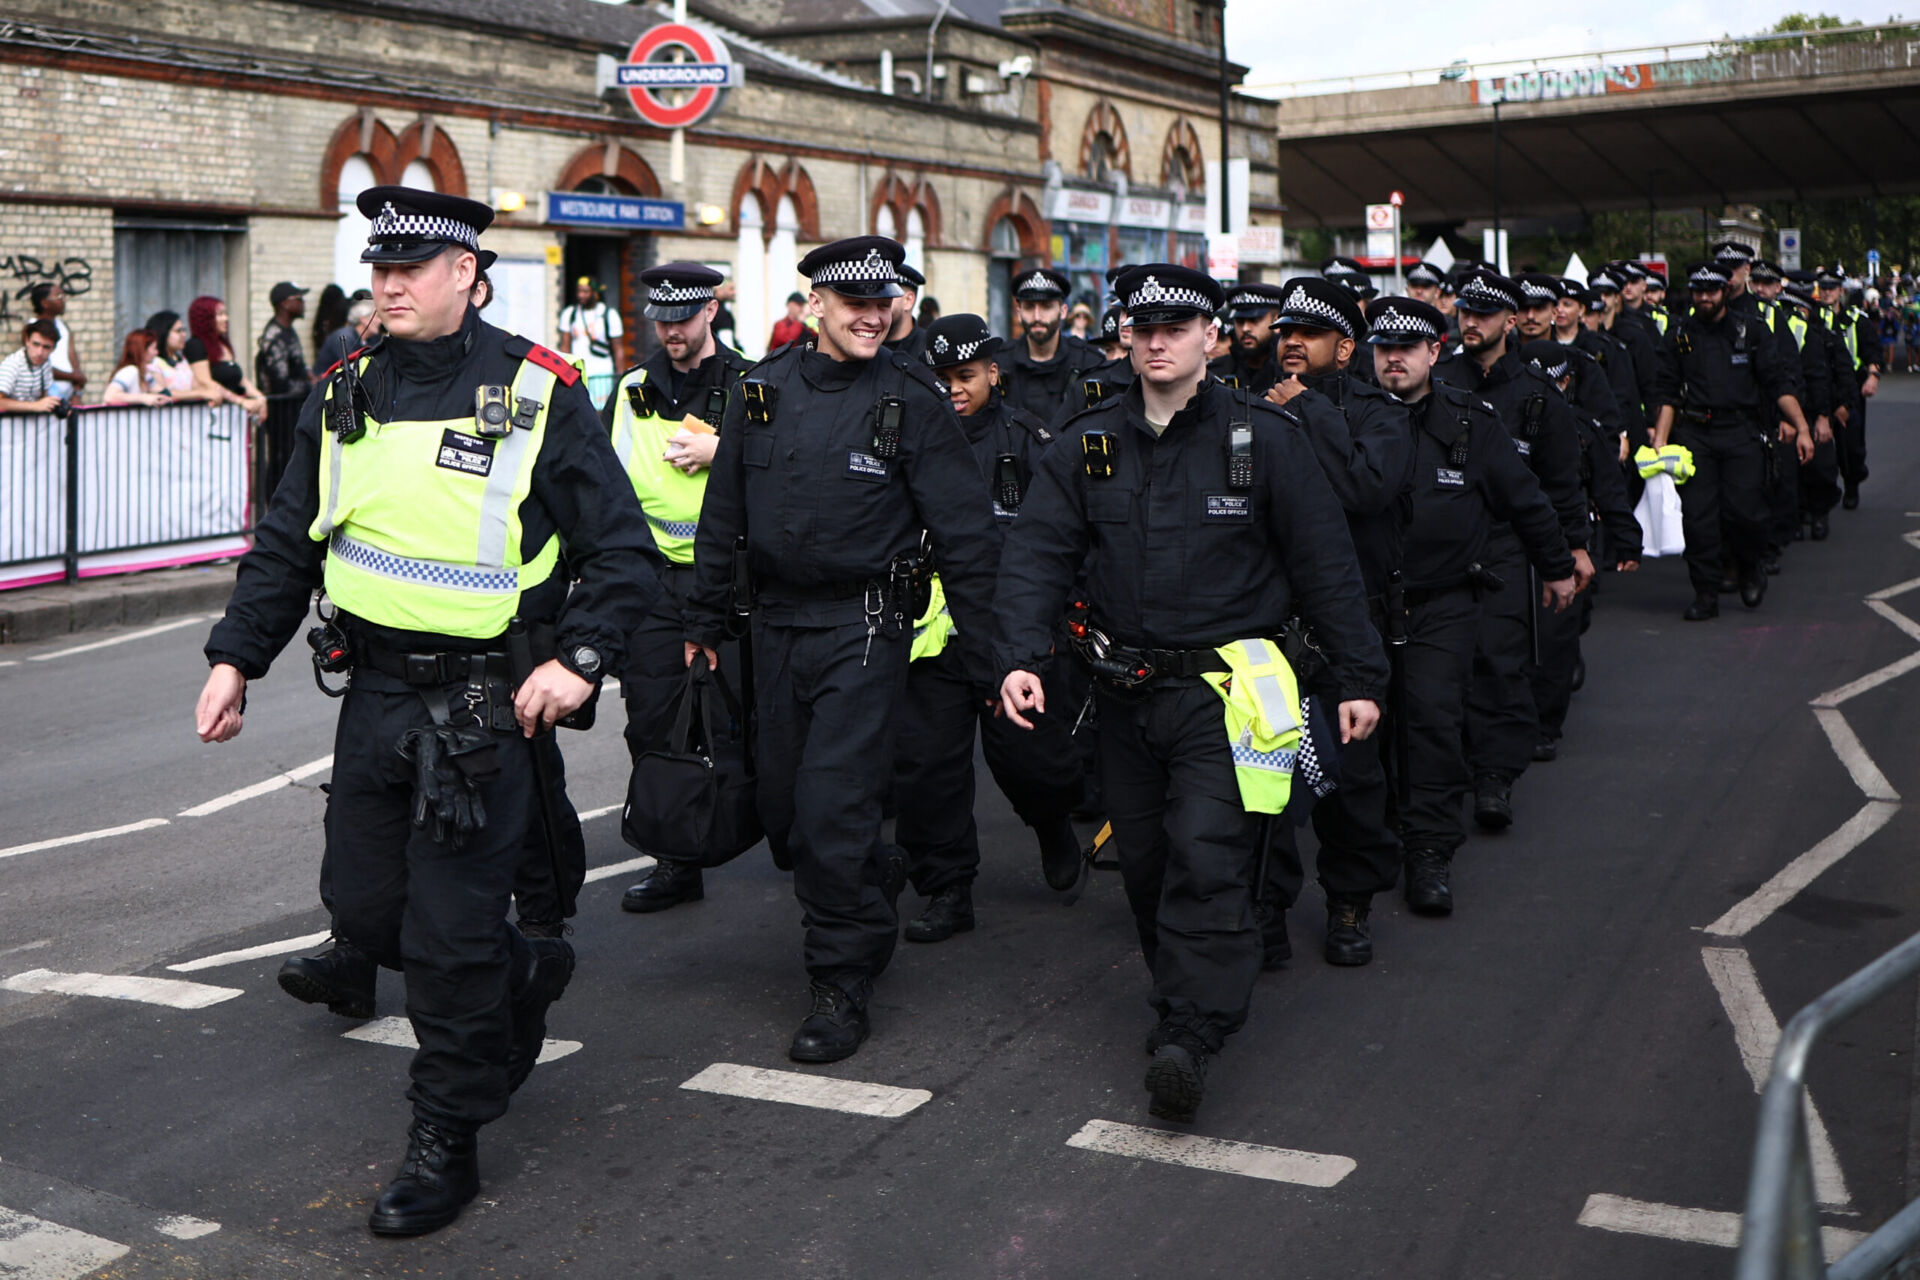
[
  {"x": 1524, "y": 446},
  {"x": 461, "y": 452},
  {"x": 865, "y": 464},
  {"x": 1448, "y": 478},
  {"x": 1229, "y": 506}
]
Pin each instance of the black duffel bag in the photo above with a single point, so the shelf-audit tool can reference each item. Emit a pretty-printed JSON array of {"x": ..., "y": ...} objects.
[{"x": 694, "y": 802}]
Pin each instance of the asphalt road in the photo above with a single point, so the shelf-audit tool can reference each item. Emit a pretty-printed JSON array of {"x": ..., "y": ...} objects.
[{"x": 1568, "y": 1046}]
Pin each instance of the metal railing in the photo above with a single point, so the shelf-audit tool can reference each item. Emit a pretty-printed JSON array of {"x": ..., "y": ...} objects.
[
  {"x": 121, "y": 478},
  {"x": 1780, "y": 1233}
]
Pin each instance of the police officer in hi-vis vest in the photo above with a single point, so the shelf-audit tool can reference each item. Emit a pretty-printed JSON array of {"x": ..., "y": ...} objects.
[
  {"x": 435, "y": 480},
  {"x": 664, "y": 416}
]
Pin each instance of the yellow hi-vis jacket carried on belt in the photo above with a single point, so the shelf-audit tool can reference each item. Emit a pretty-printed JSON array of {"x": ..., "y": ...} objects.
[
  {"x": 935, "y": 628},
  {"x": 1675, "y": 460},
  {"x": 422, "y": 519},
  {"x": 669, "y": 496},
  {"x": 1263, "y": 720}
]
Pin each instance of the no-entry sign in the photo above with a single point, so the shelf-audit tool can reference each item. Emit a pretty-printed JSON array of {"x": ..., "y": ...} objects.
[{"x": 707, "y": 70}]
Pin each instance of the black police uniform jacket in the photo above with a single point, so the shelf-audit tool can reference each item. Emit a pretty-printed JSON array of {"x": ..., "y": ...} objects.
[
  {"x": 1635, "y": 330},
  {"x": 1730, "y": 367},
  {"x": 1772, "y": 319},
  {"x": 1175, "y": 556},
  {"x": 1001, "y": 433},
  {"x": 1102, "y": 382},
  {"x": 1605, "y": 485},
  {"x": 720, "y": 371},
  {"x": 819, "y": 508},
  {"x": 1536, "y": 415},
  {"x": 1590, "y": 391},
  {"x": 1816, "y": 364},
  {"x": 1842, "y": 390},
  {"x": 1615, "y": 359},
  {"x": 1042, "y": 389},
  {"x": 1468, "y": 477},
  {"x": 1233, "y": 369},
  {"x": 578, "y": 491},
  {"x": 1363, "y": 442},
  {"x": 913, "y": 346}
]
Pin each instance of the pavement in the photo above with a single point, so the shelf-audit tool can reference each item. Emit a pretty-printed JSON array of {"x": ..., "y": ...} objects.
[
  {"x": 1558, "y": 1081},
  {"x": 46, "y": 612}
]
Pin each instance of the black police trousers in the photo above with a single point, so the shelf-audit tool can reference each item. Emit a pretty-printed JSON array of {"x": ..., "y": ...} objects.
[
  {"x": 824, "y": 753},
  {"x": 1551, "y": 678},
  {"x": 1438, "y": 662},
  {"x": 933, "y": 785},
  {"x": 1819, "y": 480},
  {"x": 1783, "y": 494},
  {"x": 1723, "y": 508},
  {"x": 436, "y": 913},
  {"x": 1502, "y": 723},
  {"x": 1852, "y": 442},
  {"x": 1359, "y": 853},
  {"x": 1187, "y": 852}
]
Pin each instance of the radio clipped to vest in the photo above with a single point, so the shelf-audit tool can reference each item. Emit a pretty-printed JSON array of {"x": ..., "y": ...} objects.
[
  {"x": 1531, "y": 413},
  {"x": 1240, "y": 447},
  {"x": 887, "y": 418},
  {"x": 761, "y": 398},
  {"x": 1006, "y": 481},
  {"x": 347, "y": 404},
  {"x": 1093, "y": 391},
  {"x": 716, "y": 407},
  {"x": 640, "y": 397},
  {"x": 1097, "y": 451}
]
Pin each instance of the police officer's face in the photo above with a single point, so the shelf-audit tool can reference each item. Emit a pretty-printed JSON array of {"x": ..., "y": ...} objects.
[
  {"x": 969, "y": 385},
  {"x": 1404, "y": 370},
  {"x": 417, "y": 301},
  {"x": 852, "y": 328},
  {"x": 1768, "y": 289},
  {"x": 1040, "y": 319},
  {"x": 1535, "y": 320},
  {"x": 1592, "y": 319},
  {"x": 1304, "y": 350},
  {"x": 1251, "y": 333},
  {"x": 686, "y": 339},
  {"x": 1566, "y": 311},
  {"x": 1427, "y": 293},
  {"x": 1634, "y": 291},
  {"x": 1709, "y": 303},
  {"x": 1171, "y": 354},
  {"x": 1480, "y": 332},
  {"x": 1656, "y": 294}
]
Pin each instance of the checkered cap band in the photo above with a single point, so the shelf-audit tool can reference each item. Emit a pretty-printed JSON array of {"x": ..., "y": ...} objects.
[
  {"x": 872, "y": 269},
  {"x": 1304, "y": 305},
  {"x": 433, "y": 573},
  {"x": 1478, "y": 289},
  {"x": 1308, "y": 767},
  {"x": 1423, "y": 274},
  {"x": 1151, "y": 293},
  {"x": 962, "y": 351},
  {"x": 1707, "y": 276},
  {"x": 670, "y": 295},
  {"x": 1534, "y": 291},
  {"x": 1554, "y": 371},
  {"x": 390, "y": 224},
  {"x": 1395, "y": 323},
  {"x": 1039, "y": 282}
]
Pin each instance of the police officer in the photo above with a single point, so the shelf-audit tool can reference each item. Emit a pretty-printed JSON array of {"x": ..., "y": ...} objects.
[
  {"x": 1467, "y": 477},
  {"x": 1039, "y": 772},
  {"x": 1589, "y": 389},
  {"x": 1613, "y": 356},
  {"x": 831, "y": 463},
  {"x": 1112, "y": 344},
  {"x": 1767, "y": 281},
  {"x": 1738, "y": 260},
  {"x": 434, "y": 484},
  {"x": 1202, "y": 521},
  {"x": 1820, "y": 487},
  {"x": 1349, "y": 275},
  {"x": 663, "y": 417},
  {"x": 1856, "y": 332},
  {"x": 1502, "y": 722},
  {"x": 1251, "y": 311},
  {"x": 906, "y": 336},
  {"x": 1720, "y": 378},
  {"x": 1047, "y": 364},
  {"x": 1423, "y": 282}
]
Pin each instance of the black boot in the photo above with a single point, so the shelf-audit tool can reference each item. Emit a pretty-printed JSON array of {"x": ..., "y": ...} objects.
[
  {"x": 834, "y": 1030},
  {"x": 1349, "y": 936},
  {"x": 948, "y": 912},
  {"x": 539, "y": 980},
  {"x": 1546, "y": 751},
  {"x": 439, "y": 1175},
  {"x": 1850, "y": 498},
  {"x": 1820, "y": 529},
  {"x": 1428, "y": 891},
  {"x": 1705, "y": 605},
  {"x": 1060, "y": 856},
  {"x": 1177, "y": 1076},
  {"x": 1493, "y": 802},
  {"x": 1770, "y": 564},
  {"x": 671, "y": 884},
  {"x": 1276, "y": 948},
  {"x": 1579, "y": 675},
  {"x": 1753, "y": 586},
  {"x": 341, "y": 978}
]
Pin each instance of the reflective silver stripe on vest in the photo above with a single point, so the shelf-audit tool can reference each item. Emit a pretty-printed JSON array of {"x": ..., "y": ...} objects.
[
  {"x": 1268, "y": 689},
  {"x": 334, "y": 448},
  {"x": 434, "y": 573},
  {"x": 675, "y": 528},
  {"x": 497, "y": 502}
]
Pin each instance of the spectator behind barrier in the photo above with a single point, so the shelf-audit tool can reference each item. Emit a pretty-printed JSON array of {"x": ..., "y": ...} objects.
[
  {"x": 26, "y": 376},
  {"x": 280, "y": 363},
  {"x": 138, "y": 379},
  {"x": 50, "y": 303},
  {"x": 215, "y": 374},
  {"x": 363, "y": 322},
  {"x": 790, "y": 327},
  {"x": 170, "y": 347},
  {"x": 328, "y": 314}
]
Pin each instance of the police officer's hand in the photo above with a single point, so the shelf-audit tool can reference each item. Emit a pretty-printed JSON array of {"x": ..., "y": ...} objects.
[
  {"x": 1559, "y": 593},
  {"x": 1870, "y": 386},
  {"x": 217, "y": 717},
  {"x": 1785, "y": 432},
  {"x": 1623, "y": 448},
  {"x": 1582, "y": 570},
  {"x": 1803, "y": 446},
  {"x": 1021, "y": 691},
  {"x": 713, "y": 659},
  {"x": 550, "y": 694},
  {"x": 691, "y": 451},
  {"x": 1842, "y": 415},
  {"x": 1627, "y": 566},
  {"x": 1286, "y": 389},
  {"x": 1822, "y": 430},
  {"x": 1358, "y": 719}
]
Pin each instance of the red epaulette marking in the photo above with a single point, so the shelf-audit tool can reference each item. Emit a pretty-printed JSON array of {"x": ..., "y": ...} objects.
[
  {"x": 335, "y": 366},
  {"x": 554, "y": 363}
]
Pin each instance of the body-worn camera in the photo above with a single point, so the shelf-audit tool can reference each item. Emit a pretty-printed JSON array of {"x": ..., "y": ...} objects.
[{"x": 491, "y": 416}]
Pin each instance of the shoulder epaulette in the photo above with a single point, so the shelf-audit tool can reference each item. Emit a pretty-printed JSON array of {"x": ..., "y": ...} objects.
[
  {"x": 554, "y": 363},
  {"x": 919, "y": 373},
  {"x": 1030, "y": 423}
]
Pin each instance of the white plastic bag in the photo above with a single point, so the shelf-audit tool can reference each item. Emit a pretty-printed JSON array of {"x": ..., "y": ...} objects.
[{"x": 1659, "y": 517}]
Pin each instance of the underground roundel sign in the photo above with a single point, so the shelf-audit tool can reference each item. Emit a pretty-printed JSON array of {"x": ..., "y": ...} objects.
[{"x": 676, "y": 75}]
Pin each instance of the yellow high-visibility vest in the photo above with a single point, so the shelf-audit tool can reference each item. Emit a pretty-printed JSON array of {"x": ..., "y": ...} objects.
[
  {"x": 935, "y": 628},
  {"x": 669, "y": 496},
  {"x": 1263, "y": 720}
]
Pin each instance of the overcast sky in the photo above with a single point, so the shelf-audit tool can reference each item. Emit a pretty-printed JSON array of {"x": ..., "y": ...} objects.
[{"x": 1286, "y": 40}]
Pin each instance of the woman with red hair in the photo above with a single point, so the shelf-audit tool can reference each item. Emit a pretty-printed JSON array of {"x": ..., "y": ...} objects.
[
  {"x": 216, "y": 375},
  {"x": 136, "y": 380}
]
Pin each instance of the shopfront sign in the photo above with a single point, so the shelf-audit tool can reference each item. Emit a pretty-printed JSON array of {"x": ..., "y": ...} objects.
[{"x": 1072, "y": 204}]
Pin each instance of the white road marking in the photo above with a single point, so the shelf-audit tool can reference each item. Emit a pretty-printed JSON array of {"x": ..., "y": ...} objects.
[
  {"x": 1275, "y": 1164},
  {"x": 619, "y": 869},
  {"x": 601, "y": 812},
  {"x": 1693, "y": 1226},
  {"x": 283, "y": 947},
  {"x": 1871, "y": 680},
  {"x": 1897, "y": 589},
  {"x": 398, "y": 1033},
  {"x": 142, "y": 634},
  {"x": 9, "y": 662},
  {"x": 1757, "y": 1033},
  {"x": 145, "y": 824},
  {"x": 34, "y": 1249},
  {"x": 1748, "y": 913},
  {"x": 1846, "y": 744},
  {"x": 171, "y": 992},
  {"x": 802, "y": 1090},
  {"x": 1908, "y": 626},
  {"x": 185, "y": 1228},
  {"x": 259, "y": 789}
]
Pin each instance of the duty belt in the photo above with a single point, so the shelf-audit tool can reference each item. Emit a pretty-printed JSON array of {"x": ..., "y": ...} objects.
[
  {"x": 1185, "y": 662},
  {"x": 796, "y": 593},
  {"x": 425, "y": 669}
]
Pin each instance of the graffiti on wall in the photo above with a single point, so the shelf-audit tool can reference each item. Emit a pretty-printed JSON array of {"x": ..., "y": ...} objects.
[{"x": 20, "y": 272}]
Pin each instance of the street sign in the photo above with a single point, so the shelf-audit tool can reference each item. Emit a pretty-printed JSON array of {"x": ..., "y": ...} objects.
[
  {"x": 646, "y": 74},
  {"x": 1873, "y": 263},
  {"x": 1380, "y": 224},
  {"x": 1397, "y": 199},
  {"x": 595, "y": 209},
  {"x": 1790, "y": 248},
  {"x": 1379, "y": 217}
]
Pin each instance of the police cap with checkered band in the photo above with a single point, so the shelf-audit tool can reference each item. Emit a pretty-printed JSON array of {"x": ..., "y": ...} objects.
[
  {"x": 1707, "y": 275},
  {"x": 957, "y": 339},
  {"x": 1483, "y": 292},
  {"x": 1550, "y": 356},
  {"x": 1110, "y": 324},
  {"x": 1041, "y": 284},
  {"x": 858, "y": 267},
  {"x": 1315, "y": 302},
  {"x": 411, "y": 225},
  {"x": 1250, "y": 301},
  {"x": 1426, "y": 273},
  {"x": 678, "y": 290},
  {"x": 1537, "y": 287},
  {"x": 1404, "y": 322},
  {"x": 1162, "y": 293}
]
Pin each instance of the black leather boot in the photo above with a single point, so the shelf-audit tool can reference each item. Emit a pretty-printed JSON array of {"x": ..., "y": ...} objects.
[
  {"x": 341, "y": 978},
  {"x": 671, "y": 884},
  {"x": 440, "y": 1174},
  {"x": 1493, "y": 802},
  {"x": 1177, "y": 1076},
  {"x": 1349, "y": 935},
  {"x": 1428, "y": 890},
  {"x": 539, "y": 980},
  {"x": 948, "y": 912},
  {"x": 835, "y": 1029},
  {"x": 1820, "y": 528},
  {"x": 1060, "y": 856},
  {"x": 1850, "y": 497},
  {"x": 1753, "y": 586},
  {"x": 1705, "y": 605},
  {"x": 1546, "y": 751}
]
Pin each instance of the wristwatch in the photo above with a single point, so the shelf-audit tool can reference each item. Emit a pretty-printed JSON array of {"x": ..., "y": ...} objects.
[{"x": 584, "y": 661}]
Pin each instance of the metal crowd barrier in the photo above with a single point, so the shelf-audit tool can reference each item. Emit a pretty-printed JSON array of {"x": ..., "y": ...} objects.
[
  {"x": 1780, "y": 1234},
  {"x": 123, "y": 478}
]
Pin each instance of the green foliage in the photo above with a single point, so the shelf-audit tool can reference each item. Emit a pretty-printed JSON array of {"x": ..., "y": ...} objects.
[{"x": 1803, "y": 25}]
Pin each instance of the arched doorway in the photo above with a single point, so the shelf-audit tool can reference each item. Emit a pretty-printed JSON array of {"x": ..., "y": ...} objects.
[{"x": 350, "y": 233}]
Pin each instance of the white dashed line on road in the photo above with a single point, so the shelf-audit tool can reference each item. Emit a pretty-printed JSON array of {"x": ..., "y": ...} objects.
[
  {"x": 1217, "y": 1155},
  {"x": 141, "y": 634},
  {"x": 58, "y": 842},
  {"x": 1860, "y": 767},
  {"x": 1747, "y": 914},
  {"x": 34, "y": 1249},
  {"x": 259, "y": 789},
  {"x": 1692, "y": 1226},
  {"x": 397, "y": 1033},
  {"x": 185, "y": 1228},
  {"x": 612, "y": 869},
  {"x": 265, "y": 950},
  {"x": 823, "y": 1092},
  {"x": 171, "y": 992}
]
